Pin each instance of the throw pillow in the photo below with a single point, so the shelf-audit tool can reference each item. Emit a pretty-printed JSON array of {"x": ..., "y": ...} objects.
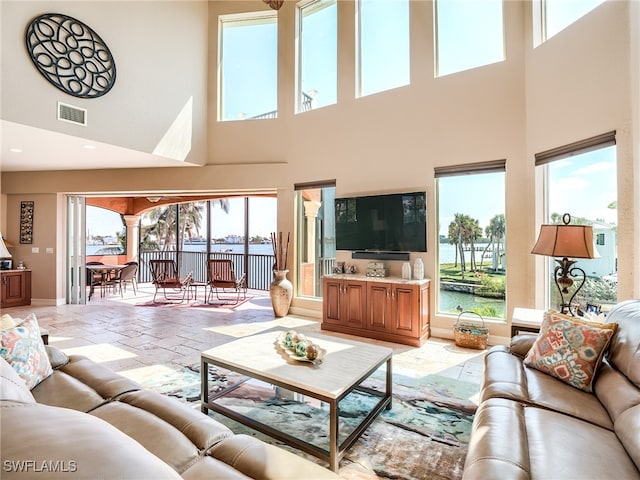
[
  {"x": 23, "y": 348},
  {"x": 6, "y": 322},
  {"x": 570, "y": 349}
]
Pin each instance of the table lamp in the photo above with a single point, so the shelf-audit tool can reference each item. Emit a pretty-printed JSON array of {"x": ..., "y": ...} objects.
[{"x": 564, "y": 240}]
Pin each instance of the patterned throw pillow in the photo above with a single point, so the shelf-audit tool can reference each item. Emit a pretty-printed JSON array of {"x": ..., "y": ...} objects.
[
  {"x": 22, "y": 347},
  {"x": 570, "y": 349}
]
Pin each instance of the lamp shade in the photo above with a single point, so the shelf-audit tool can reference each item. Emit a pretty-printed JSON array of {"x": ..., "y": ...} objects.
[
  {"x": 575, "y": 241},
  {"x": 4, "y": 253}
]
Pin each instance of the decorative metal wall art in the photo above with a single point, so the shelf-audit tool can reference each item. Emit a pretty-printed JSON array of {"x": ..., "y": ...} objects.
[
  {"x": 70, "y": 55},
  {"x": 26, "y": 222},
  {"x": 275, "y": 4}
]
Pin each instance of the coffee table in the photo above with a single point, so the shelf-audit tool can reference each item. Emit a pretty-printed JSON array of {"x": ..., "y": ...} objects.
[{"x": 346, "y": 365}]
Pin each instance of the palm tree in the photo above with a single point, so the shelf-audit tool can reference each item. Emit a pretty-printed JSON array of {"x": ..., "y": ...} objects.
[
  {"x": 162, "y": 232},
  {"x": 473, "y": 232},
  {"x": 495, "y": 231}
]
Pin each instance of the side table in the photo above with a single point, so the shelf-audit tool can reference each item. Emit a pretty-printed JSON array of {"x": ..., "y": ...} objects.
[{"x": 526, "y": 320}]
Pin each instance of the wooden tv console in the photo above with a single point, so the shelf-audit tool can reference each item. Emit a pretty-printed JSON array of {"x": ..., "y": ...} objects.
[{"x": 382, "y": 308}]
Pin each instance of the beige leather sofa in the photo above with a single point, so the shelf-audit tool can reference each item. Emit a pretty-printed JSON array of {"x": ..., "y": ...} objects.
[
  {"x": 530, "y": 425},
  {"x": 85, "y": 421}
]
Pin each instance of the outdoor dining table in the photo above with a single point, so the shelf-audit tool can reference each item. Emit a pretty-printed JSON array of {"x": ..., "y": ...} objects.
[{"x": 106, "y": 272}]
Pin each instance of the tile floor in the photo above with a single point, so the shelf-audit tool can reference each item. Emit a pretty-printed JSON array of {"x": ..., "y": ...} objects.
[{"x": 141, "y": 340}]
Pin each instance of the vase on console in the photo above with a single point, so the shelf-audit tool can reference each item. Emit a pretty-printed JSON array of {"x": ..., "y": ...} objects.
[{"x": 281, "y": 291}]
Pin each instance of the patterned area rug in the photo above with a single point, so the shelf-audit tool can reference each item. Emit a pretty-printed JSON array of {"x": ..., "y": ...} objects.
[{"x": 424, "y": 435}]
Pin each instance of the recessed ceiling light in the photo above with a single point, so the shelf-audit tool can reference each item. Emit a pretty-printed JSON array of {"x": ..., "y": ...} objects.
[
  {"x": 15, "y": 150},
  {"x": 89, "y": 147}
]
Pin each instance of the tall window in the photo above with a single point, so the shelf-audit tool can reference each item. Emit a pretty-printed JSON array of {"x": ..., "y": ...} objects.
[
  {"x": 317, "y": 54},
  {"x": 472, "y": 251},
  {"x": 248, "y": 66},
  {"x": 383, "y": 45},
  {"x": 559, "y": 14},
  {"x": 469, "y": 34},
  {"x": 581, "y": 181},
  {"x": 315, "y": 235}
]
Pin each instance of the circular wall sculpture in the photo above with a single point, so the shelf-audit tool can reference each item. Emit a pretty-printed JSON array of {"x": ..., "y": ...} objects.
[{"x": 70, "y": 55}]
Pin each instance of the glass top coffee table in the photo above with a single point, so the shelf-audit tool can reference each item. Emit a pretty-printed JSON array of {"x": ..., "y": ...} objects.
[{"x": 317, "y": 393}]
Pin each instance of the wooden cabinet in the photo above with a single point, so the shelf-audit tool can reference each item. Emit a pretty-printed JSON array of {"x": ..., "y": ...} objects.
[
  {"x": 15, "y": 288},
  {"x": 388, "y": 309},
  {"x": 345, "y": 302}
]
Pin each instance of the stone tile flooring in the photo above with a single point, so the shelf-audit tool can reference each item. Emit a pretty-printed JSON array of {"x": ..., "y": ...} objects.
[{"x": 141, "y": 340}]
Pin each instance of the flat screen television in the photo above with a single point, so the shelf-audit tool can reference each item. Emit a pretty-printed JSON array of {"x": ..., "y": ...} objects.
[{"x": 389, "y": 223}]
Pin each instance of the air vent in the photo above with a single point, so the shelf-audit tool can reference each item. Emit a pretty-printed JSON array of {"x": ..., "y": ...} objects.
[{"x": 71, "y": 114}]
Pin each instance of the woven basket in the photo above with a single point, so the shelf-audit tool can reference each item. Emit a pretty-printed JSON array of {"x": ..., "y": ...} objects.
[{"x": 470, "y": 334}]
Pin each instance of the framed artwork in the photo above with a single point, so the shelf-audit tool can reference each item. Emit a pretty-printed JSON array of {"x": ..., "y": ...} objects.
[{"x": 26, "y": 222}]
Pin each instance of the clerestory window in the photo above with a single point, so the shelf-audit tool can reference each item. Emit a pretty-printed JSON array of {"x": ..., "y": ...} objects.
[
  {"x": 556, "y": 15},
  {"x": 468, "y": 34},
  {"x": 382, "y": 46},
  {"x": 317, "y": 48},
  {"x": 248, "y": 66}
]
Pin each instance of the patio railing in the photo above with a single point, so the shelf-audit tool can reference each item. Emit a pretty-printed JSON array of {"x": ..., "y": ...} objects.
[{"x": 259, "y": 267}]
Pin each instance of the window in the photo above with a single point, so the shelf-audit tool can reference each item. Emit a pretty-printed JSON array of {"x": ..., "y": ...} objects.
[
  {"x": 581, "y": 181},
  {"x": 559, "y": 14},
  {"x": 317, "y": 55},
  {"x": 106, "y": 232},
  {"x": 472, "y": 253},
  {"x": 316, "y": 235},
  {"x": 469, "y": 34},
  {"x": 383, "y": 45},
  {"x": 248, "y": 66}
]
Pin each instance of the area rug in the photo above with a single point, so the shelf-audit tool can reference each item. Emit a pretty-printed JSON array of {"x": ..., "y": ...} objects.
[
  {"x": 424, "y": 435},
  {"x": 218, "y": 304}
]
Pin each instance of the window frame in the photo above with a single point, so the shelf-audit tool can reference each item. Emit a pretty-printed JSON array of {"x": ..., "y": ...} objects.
[
  {"x": 313, "y": 5},
  {"x": 266, "y": 16},
  {"x": 477, "y": 168}
]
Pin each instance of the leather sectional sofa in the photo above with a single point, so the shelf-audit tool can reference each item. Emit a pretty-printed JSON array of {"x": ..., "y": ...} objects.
[
  {"x": 86, "y": 421},
  {"x": 530, "y": 425}
]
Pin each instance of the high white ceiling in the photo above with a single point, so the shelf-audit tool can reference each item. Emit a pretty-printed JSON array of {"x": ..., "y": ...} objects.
[{"x": 46, "y": 150}]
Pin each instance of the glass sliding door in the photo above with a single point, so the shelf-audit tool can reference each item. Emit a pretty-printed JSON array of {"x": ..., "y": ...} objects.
[{"x": 76, "y": 250}]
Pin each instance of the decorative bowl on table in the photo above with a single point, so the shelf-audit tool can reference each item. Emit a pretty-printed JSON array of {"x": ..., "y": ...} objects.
[{"x": 298, "y": 347}]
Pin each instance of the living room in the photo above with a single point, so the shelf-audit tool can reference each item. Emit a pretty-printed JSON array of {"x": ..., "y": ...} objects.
[{"x": 543, "y": 95}]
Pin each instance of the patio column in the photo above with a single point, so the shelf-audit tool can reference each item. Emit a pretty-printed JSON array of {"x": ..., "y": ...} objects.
[{"x": 133, "y": 237}]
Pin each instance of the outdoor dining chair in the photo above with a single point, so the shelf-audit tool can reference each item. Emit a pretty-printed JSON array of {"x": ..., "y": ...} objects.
[
  {"x": 128, "y": 274},
  {"x": 221, "y": 276},
  {"x": 165, "y": 276}
]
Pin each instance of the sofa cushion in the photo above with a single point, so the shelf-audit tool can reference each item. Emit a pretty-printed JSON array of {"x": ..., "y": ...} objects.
[
  {"x": 153, "y": 433},
  {"x": 627, "y": 427},
  {"x": 62, "y": 390},
  {"x": 262, "y": 461},
  {"x": 12, "y": 387},
  {"x": 505, "y": 376},
  {"x": 516, "y": 441},
  {"x": 22, "y": 347},
  {"x": 52, "y": 442},
  {"x": 570, "y": 349},
  {"x": 103, "y": 380},
  {"x": 624, "y": 353},
  {"x": 202, "y": 430}
]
